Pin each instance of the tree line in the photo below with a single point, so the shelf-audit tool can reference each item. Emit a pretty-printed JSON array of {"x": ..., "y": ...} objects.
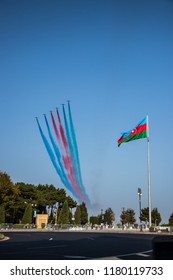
[
  {"x": 20, "y": 202},
  {"x": 128, "y": 216}
]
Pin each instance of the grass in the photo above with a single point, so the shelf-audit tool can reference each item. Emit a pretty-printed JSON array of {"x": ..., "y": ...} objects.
[{"x": 1, "y": 235}]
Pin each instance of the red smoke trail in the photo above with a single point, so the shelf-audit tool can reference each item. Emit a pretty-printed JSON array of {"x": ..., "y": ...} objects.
[
  {"x": 64, "y": 139},
  {"x": 65, "y": 143},
  {"x": 56, "y": 130},
  {"x": 58, "y": 137},
  {"x": 63, "y": 152}
]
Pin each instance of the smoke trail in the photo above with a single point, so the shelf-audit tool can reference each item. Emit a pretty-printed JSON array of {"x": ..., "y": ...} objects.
[
  {"x": 53, "y": 159},
  {"x": 65, "y": 159},
  {"x": 58, "y": 155},
  {"x": 56, "y": 149},
  {"x": 56, "y": 130},
  {"x": 68, "y": 158},
  {"x": 65, "y": 144},
  {"x": 68, "y": 134},
  {"x": 76, "y": 153},
  {"x": 65, "y": 156},
  {"x": 70, "y": 143},
  {"x": 57, "y": 152}
]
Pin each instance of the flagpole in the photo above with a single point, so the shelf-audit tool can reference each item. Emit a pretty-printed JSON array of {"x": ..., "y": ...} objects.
[{"x": 149, "y": 186}]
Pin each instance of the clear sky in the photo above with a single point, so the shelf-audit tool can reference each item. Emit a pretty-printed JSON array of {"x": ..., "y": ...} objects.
[{"x": 114, "y": 61}]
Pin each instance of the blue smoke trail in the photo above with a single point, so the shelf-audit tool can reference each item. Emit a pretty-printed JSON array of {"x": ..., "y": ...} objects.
[
  {"x": 76, "y": 154},
  {"x": 55, "y": 147},
  {"x": 53, "y": 160}
]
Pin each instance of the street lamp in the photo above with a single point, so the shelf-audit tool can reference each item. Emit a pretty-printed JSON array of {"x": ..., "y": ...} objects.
[
  {"x": 102, "y": 215},
  {"x": 34, "y": 212},
  {"x": 139, "y": 195},
  {"x": 102, "y": 218},
  {"x": 57, "y": 205}
]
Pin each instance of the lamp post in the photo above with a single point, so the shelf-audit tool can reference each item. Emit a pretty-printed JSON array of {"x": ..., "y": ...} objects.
[
  {"x": 34, "y": 213},
  {"x": 139, "y": 195},
  {"x": 102, "y": 218},
  {"x": 57, "y": 205},
  {"x": 102, "y": 215}
]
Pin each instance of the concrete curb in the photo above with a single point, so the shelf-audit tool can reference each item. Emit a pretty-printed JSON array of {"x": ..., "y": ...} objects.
[{"x": 90, "y": 231}]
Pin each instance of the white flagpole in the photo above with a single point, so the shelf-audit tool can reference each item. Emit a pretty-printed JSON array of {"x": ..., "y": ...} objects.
[{"x": 149, "y": 186}]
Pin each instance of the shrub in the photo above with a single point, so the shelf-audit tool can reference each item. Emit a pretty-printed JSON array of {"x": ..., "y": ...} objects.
[
  {"x": 1, "y": 235},
  {"x": 27, "y": 217},
  {"x": 19, "y": 226},
  {"x": 43, "y": 225}
]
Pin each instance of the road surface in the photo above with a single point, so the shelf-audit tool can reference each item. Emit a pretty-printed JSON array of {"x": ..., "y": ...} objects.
[{"x": 75, "y": 246}]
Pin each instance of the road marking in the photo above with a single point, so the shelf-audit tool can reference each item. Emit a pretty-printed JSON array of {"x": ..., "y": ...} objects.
[
  {"x": 142, "y": 255},
  {"x": 139, "y": 254}
]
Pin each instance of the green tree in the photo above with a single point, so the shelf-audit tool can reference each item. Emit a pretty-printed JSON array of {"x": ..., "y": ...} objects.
[
  {"x": 71, "y": 202},
  {"x": 155, "y": 217},
  {"x": 8, "y": 196},
  {"x": 145, "y": 214},
  {"x": 48, "y": 195},
  {"x": 27, "y": 217},
  {"x": 70, "y": 217},
  {"x": 171, "y": 220},
  {"x": 109, "y": 216},
  {"x": 84, "y": 214},
  {"x": 128, "y": 217},
  {"x": 27, "y": 192},
  {"x": 63, "y": 218},
  {"x": 54, "y": 195},
  {"x": 123, "y": 217},
  {"x": 6, "y": 187},
  {"x": 27, "y": 195},
  {"x": 94, "y": 220},
  {"x": 77, "y": 215},
  {"x": 2, "y": 214}
]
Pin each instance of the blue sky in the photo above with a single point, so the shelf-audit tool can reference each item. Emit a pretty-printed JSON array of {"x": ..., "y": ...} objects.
[{"x": 113, "y": 60}]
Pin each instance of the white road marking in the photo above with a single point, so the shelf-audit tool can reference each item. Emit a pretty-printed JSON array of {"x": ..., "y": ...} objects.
[
  {"x": 142, "y": 255},
  {"x": 131, "y": 254}
]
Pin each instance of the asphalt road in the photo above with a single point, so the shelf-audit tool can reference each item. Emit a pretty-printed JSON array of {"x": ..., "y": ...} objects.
[{"x": 75, "y": 246}]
